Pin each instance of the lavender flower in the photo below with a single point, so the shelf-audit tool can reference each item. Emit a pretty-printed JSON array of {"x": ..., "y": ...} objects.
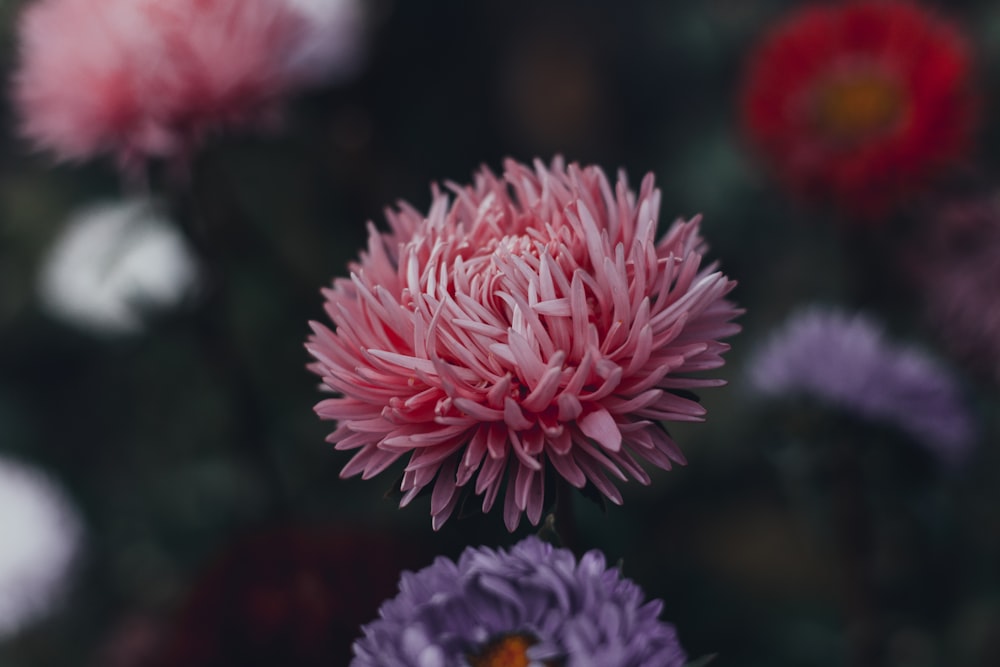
[
  {"x": 846, "y": 362},
  {"x": 955, "y": 266},
  {"x": 532, "y": 605}
]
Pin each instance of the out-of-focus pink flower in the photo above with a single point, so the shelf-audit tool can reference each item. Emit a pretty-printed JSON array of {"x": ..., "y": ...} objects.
[
  {"x": 227, "y": 62},
  {"x": 83, "y": 76},
  {"x": 140, "y": 78},
  {"x": 955, "y": 266},
  {"x": 531, "y": 322}
]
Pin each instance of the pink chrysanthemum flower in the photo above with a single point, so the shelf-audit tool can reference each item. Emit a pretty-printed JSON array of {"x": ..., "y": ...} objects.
[
  {"x": 532, "y": 322},
  {"x": 83, "y": 72},
  {"x": 141, "y": 78},
  {"x": 954, "y": 264}
]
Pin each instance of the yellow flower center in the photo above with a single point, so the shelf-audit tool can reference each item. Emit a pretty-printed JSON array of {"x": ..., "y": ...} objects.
[
  {"x": 506, "y": 651},
  {"x": 855, "y": 107}
]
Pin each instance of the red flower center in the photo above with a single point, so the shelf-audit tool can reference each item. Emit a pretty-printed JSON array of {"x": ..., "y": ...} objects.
[
  {"x": 852, "y": 108},
  {"x": 506, "y": 651}
]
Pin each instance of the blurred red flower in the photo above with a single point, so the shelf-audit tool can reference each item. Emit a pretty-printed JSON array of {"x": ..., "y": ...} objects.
[
  {"x": 860, "y": 104},
  {"x": 287, "y": 596}
]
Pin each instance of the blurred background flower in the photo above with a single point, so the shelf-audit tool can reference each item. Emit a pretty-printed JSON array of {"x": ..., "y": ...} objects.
[
  {"x": 114, "y": 266},
  {"x": 847, "y": 407},
  {"x": 146, "y": 78},
  {"x": 845, "y": 362},
  {"x": 79, "y": 87},
  {"x": 333, "y": 46},
  {"x": 860, "y": 104},
  {"x": 41, "y": 533},
  {"x": 288, "y": 595},
  {"x": 953, "y": 264}
]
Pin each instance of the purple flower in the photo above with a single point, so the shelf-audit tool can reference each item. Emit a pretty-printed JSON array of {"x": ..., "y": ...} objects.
[
  {"x": 845, "y": 361},
  {"x": 954, "y": 265},
  {"x": 532, "y": 605}
]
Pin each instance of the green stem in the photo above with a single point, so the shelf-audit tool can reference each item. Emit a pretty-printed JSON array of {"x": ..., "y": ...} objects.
[
  {"x": 218, "y": 345},
  {"x": 852, "y": 526},
  {"x": 565, "y": 520}
]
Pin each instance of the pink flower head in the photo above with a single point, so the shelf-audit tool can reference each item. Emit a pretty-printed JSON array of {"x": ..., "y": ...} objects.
[
  {"x": 85, "y": 69},
  {"x": 954, "y": 264},
  {"x": 141, "y": 78},
  {"x": 531, "y": 322}
]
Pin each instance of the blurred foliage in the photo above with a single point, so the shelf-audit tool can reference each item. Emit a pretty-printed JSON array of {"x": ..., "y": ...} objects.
[{"x": 177, "y": 441}]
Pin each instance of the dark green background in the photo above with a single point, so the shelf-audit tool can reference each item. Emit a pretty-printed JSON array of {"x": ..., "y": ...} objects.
[{"x": 172, "y": 447}]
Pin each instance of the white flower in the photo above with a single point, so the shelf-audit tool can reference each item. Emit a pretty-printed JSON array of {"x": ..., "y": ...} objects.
[
  {"x": 333, "y": 47},
  {"x": 113, "y": 264},
  {"x": 40, "y": 536}
]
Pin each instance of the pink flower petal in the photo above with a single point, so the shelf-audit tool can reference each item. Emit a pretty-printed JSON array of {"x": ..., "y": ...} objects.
[
  {"x": 600, "y": 425},
  {"x": 526, "y": 321}
]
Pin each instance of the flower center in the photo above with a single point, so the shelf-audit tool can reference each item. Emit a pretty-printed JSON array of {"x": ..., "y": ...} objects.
[
  {"x": 506, "y": 651},
  {"x": 519, "y": 244},
  {"x": 855, "y": 107}
]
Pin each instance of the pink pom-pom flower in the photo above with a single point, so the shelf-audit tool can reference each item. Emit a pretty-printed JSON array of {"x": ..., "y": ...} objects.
[
  {"x": 529, "y": 323},
  {"x": 149, "y": 78},
  {"x": 84, "y": 72}
]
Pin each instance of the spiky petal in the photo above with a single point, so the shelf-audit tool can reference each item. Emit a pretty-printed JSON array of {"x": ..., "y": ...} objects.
[{"x": 527, "y": 321}]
